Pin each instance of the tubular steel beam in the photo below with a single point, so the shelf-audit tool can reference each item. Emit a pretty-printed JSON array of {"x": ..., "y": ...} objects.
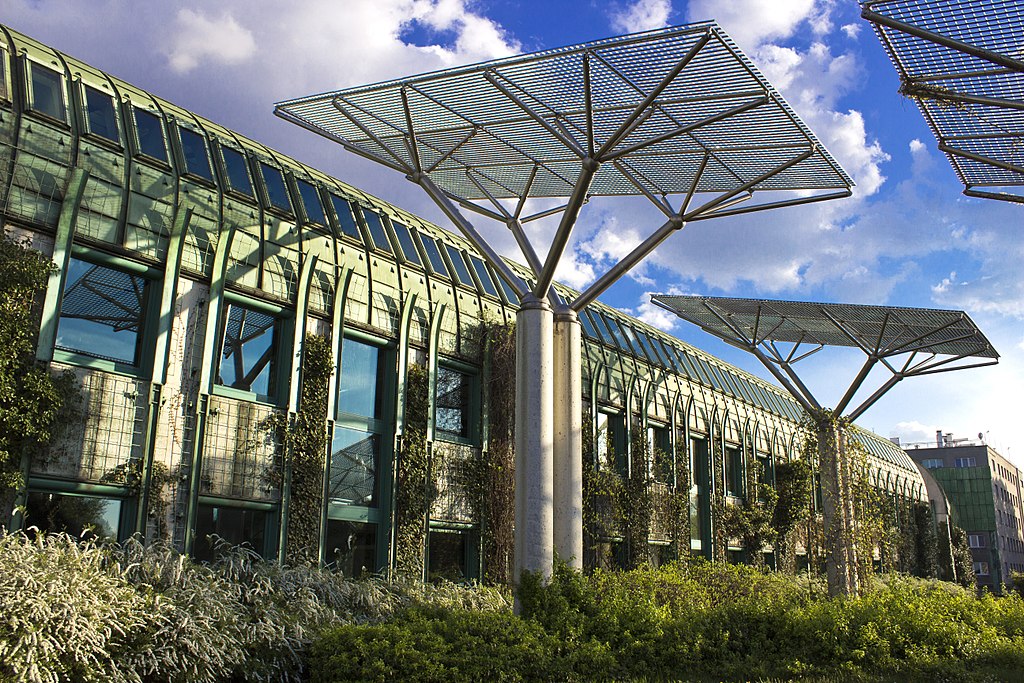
[
  {"x": 945, "y": 41},
  {"x": 456, "y": 217},
  {"x": 928, "y": 92},
  {"x": 588, "y": 169}
]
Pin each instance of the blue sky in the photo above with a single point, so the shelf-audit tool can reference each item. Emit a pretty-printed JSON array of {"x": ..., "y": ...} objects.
[{"x": 907, "y": 237}]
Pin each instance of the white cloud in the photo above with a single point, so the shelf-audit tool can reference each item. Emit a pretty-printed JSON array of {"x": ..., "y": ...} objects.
[
  {"x": 655, "y": 315},
  {"x": 198, "y": 37},
  {"x": 753, "y": 22},
  {"x": 851, "y": 30},
  {"x": 642, "y": 15}
]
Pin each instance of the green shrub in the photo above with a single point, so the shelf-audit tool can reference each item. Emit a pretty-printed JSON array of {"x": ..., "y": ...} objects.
[{"x": 73, "y": 610}]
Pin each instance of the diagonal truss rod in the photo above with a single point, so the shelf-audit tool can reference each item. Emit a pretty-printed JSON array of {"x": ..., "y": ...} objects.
[
  {"x": 939, "y": 39},
  {"x": 927, "y": 92}
]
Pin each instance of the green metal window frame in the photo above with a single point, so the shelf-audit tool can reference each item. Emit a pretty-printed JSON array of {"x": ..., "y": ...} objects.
[
  {"x": 308, "y": 193},
  {"x": 89, "y": 129},
  {"x": 5, "y": 72},
  {"x": 474, "y": 404},
  {"x": 272, "y": 193},
  {"x": 283, "y": 334},
  {"x": 233, "y": 182},
  {"x": 140, "y": 148},
  {"x": 435, "y": 260},
  {"x": 471, "y": 555},
  {"x": 377, "y": 231},
  {"x": 406, "y": 245},
  {"x": 199, "y": 168},
  {"x": 60, "y": 113},
  {"x": 128, "y": 502},
  {"x": 151, "y": 312},
  {"x": 342, "y": 208},
  {"x": 272, "y": 511}
]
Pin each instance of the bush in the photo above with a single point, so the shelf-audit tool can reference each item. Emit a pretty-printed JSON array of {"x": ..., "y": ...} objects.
[{"x": 73, "y": 610}]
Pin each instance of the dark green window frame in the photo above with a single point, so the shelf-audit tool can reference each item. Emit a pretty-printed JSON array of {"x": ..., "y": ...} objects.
[
  {"x": 5, "y": 78},
  {"x": 150, "y": 135},
  {"x": 465, "y": 404},
  {"x": 460, "y": 267},
  {"x": 483, "y": 276},
  {"x": 275, "y": 188},
  {"x": 47, "y": 91},
  {"x": 149, "y": 305},
  {"x": 345, "y": 216},
  {"x": 405, "y": 243},
  {"x": 236, "y": 171},
  {"x": 195, "y": 154},
  {"x": 433, "y": 252},
  {"x": 312, "y": 204},
  {"x": 378, "y": 232},
  {"x": 280, "y": 353},
  {"x": 81, "y": 492},
  {"x": 267, "y": 549},
  {"x": 99, "y": 110}
]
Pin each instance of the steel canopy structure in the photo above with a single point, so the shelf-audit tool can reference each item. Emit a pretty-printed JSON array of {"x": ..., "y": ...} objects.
[
  {"x": 963, "y": 63},
  {"x": 679, "y": 116},
  {"x": 925, "y": 341},
  {"x": 782, "y": 333}
]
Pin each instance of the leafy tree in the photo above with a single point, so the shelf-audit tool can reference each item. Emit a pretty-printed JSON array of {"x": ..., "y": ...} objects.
[{"x": 30, "y": 397}]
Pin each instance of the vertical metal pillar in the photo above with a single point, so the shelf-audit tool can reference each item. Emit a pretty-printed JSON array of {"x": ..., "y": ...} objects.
[
  {"x": 568, "y": 446},
  {"x": 534, "y": 437}
]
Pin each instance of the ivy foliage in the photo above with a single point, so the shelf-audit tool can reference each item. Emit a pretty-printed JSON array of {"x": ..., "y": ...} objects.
[
  {"x": 306, "y": 452},
  {"x": 415, "y": 489},
  {"x": 794, "y": 487},
  {"x": 30, "y": 397}
]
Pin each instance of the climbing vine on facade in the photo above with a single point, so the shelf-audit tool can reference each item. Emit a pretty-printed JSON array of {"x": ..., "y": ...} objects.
[{"x": 414, "y": 486}]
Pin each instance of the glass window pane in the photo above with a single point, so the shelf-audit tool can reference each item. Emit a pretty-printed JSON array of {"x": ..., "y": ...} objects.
[
  {"x": 361, "y": 380},
  {"x": 354, "y": 456},
  {"x": 311, "y": 202},
  {"x": 377, "y": 233},
  {"x": 447, "y": 556},
  {"x": 588, "y": 326},
  {"x": 405, "y": 241},
  {"x": 102, "y": 312},
  {"x": 459, "y": 264},
  {"x": 485, "y": 278},
  {"x": 99, "y": 111},
  {"x": 237, "y": 526},
  {"x": 351, "y": 548},
  {"x": 617, "y": 334},
  {"x": 602, "y": 329},
  {"x": 5, "y": 93},
  {"x": 276, "y": 191},
  {"x": 631, "y": 338},
  {"x": 452, "y": 417},
  {"x": 433, "y": 255},
  {"x": 238, "y": 170},
  {"x": 510, "y": 294},
  {"x": 249, "y": 353},
  {"x": 150, "y": 130},
  {"x": 193, "y": 148},
  {"x": 343, "y": 210},
  {"x": 48, "y": 92},
  {"x": 97, "y": 518}
]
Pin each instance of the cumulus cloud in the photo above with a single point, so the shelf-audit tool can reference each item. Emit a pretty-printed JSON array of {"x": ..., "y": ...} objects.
[
  {"x": 851, "y": 30},
  {"x": 642, "y": 15},
  {"x": 655, "y": 315},
  {"x": 199, "y": 37},
  {"x": 754, "y": 22}
]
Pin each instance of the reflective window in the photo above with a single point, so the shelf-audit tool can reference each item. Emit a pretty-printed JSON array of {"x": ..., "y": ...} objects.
[
  {"x": 102, "y": 312},
  {"x": 602, "y": 329},
  {"x": 150, "y": 131},
  {"x": 343, "y": 210},
  {"x": 5, "y": 92},
  {"x": 100, "y": 114},
  {"x": 405, "y": 241},
  {"x": 79, "y": 516},
  {"x": 351, "y": 548},
  {"x": 361, "y": 380},
  {"x": 933, "y": 463},
  {"x": 433, "y": 255},
  {"x": 235, "y": 526},
  {"x": 588, "y": 325},
  {"x": 377, "y": 233},
  {"x": 249, "y": 352},
  {"x": 277, "y": 194},
  {"x": 48, "y": 92},
  {"x": 237, "y": 170},
  {"x": 634, "y": 344},
  {"x": 452, "y": 413},
  {"x": 510, "y": 294},
  {"x": 193, "y": 148},
  {"x": 311, "y": 202},
  {"x": 354, "y": 457},
  {"x": 620, "y": 338},
  {"x": 485, "y": 278},
  {"x": 448, "y": 555},
  {"x": 734, "y": 484},
  {"x": 459, "y": 264}
]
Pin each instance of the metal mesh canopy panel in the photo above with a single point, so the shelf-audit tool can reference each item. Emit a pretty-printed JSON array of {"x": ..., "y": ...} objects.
[
  {"x": 518, "y": 127},
  {"x": 879, "y": 330},
  {"x": 963, "y": 62}
]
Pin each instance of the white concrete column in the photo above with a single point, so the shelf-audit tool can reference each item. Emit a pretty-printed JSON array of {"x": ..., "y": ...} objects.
[
  {"x": 534, "y": 533},
  {"x": 568, "y": 451}
]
